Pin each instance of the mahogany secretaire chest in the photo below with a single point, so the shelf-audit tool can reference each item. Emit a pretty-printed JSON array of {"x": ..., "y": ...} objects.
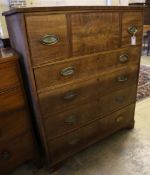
[
  {"x": 82, "y": 66},
  {"x": 17, "y": 142}
]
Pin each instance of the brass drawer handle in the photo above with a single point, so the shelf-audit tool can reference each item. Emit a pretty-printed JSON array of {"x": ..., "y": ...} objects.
[
  {"x": 132, "y": 30},
  {"x": 124, "y": 58},
  {"x": 72, "y": 119},
  {"x": 49, "y": 39},
  {"x": 67, "y": 71},
  {"x": 6, "y": 155},
  {"x": 70, "y": 95},
  {"x": 74, "y": 141},
  {"x": 122, "y": 78},
  {"x": 119, "y": 99},
  {"x": 119, "y": 119}
]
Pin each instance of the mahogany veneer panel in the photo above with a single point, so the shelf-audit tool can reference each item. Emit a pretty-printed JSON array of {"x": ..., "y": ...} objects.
[
  {"x": 94, "y": 32},
  {"x": 41, "y": 25}
]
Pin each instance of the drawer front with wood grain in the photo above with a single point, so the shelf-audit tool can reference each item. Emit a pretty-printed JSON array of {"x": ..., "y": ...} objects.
[
  {"x": 58, "y": 124},
  {"x": 69, "y": 144},
  {"x": 94, "y": 32},
  {"x": 12, "y": 100},
  {"x": 66, "y": 96},
  {"x": 84, "y": 67},
  {"x": 47, "y": 36},
  {"x": 117, "y": 99},
  {"x": 13, "y": 124},
  {"x": 15, "y": 152},
  {"x": 132, "y": 22},
  {"x": 9, "y": 76},
  {"x": 111, "y": 81}
]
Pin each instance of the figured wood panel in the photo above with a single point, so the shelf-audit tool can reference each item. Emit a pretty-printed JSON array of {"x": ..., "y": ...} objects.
[
  {"x": 94, "y": 32},
  {"x": 56, "y": 100},
  {"x": 9, "y": 76},
  {"x": 11, "y": 100},
  {"x": 16, "y": 152},
  {"x": 14, "y": 123},
  {"x": 57, "y": 124},
  {"x": 71, "y": 143},
  {"x": 39, "y": 26},
  {"x": 83, "y": 67},
  {"x": 129, "y": 19}
]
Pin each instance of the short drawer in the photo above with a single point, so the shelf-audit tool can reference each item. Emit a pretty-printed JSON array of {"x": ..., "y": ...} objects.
[
  {"x": 64, "y": 72},
  {"x": 66, "y": 96},
  {"x": 11, "y": 100},
  {"x": 130, "y": 22},
  {"x": 60, "y": 123},
  {"x": 73, "y": 142},
  {"x": 13, "y": 124},
  {"x": 9, "y": 76},
  {"x": 15, "y": 152},
  {"x": 47, "y": 36}
]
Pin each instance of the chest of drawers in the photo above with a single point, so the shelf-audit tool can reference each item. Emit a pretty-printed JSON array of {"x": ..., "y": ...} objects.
[
  {"x": 82, "y": 71},
  {"x": 17, "y": 144}
]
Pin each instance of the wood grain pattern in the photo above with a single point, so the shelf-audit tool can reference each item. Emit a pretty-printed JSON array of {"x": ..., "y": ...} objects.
[
  {"x": 55, "y": 100},
  {"x": 94, "y": 32},
  {"x": 88, "y": 112},
  {"x": 13, "y": 123},
  {"x": 83, "y": 67},
  {"x": 92, "y": 41},
  {"x": 9, "y": 72},
  {"x": 16, "y": 153},
  {"x": 38, "y": 27},
  {"x": 17, "y": 142},
  {"x": 63, "y": 147}
]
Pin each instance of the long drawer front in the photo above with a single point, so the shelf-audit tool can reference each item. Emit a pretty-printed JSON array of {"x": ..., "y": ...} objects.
[
  {"x": 69, "y": 144},
  {"x": 57, "y": 124}
]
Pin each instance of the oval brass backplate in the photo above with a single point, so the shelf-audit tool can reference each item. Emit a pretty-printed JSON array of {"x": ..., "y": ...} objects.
[
  {"x": 49, "y": 39},
  {"x": 124, "y": 58}
]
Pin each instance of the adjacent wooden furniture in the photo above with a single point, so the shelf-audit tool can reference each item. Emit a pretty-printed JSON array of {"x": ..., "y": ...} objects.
[
  {"x": 82, "y": 71},
  {"x": 17, "y": 143}
]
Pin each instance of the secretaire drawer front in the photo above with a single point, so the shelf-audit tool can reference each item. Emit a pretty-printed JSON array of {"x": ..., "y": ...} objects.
[
  {"x": 121, "y": 79},
  {"x": 118, "y": 99},
  {"x": 64, "y": 72},
  {"x": 16, "y": 152},
  {"x": 13, "y": 124},
  {"x": 47, "y": 35},
  {"x": 11, "y": 100},
  {"x": 94, "y": 32},
  {"x": 60, "y": 98},
  {"x": 59, "y": 123},
  {"x": 132, "y": 24},
  {"x": 67, "y": 145},
  {"x": 9, "y": 76}
]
